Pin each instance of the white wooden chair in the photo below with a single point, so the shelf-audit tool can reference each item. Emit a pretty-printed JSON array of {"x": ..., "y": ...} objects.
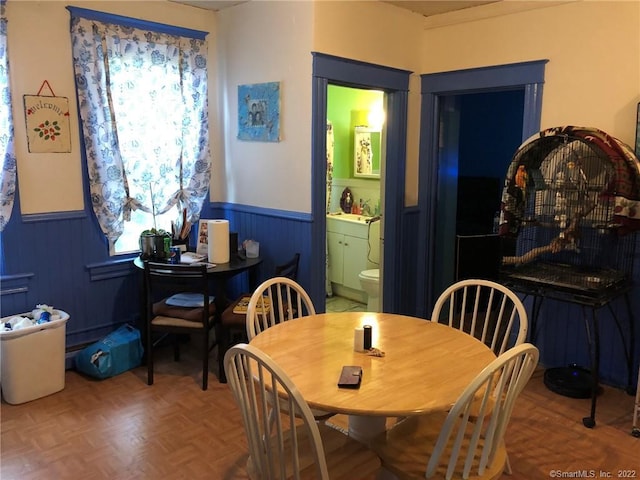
[
  {"x": 292, "y": 446},
  {"x": 486, "y": 310},
  {"x": 467, "y": 441},
  {"x": 276, "y": 300}
]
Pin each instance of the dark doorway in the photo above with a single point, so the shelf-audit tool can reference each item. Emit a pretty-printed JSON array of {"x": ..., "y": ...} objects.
[
  {"x": 490, "y": 133},
  {"x": 472, "y": 123},
  {"x": 481, "y": 132}
]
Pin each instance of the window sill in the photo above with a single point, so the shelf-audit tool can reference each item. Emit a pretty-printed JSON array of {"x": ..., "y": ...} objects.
[{"x": 115, "y": 268}]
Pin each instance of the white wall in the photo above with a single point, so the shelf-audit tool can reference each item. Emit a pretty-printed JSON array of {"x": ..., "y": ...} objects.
[
  {"x": 593, "y": 47},
  {"x": 40, "y": 49},
  {"x": 592, "y": 78},
  {"x": 266, "y": 42},
  {"x": 381, "y": 34}
]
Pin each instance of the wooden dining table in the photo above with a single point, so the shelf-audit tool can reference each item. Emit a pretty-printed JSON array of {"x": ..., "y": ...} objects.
[{"x": 425, "y": 366}]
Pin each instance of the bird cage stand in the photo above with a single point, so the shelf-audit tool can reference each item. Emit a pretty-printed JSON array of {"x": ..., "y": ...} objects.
[{"x": 567, "y": 224}]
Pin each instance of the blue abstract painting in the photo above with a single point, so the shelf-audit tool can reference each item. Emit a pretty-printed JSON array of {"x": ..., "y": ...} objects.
[{"x": 259, "y": 112}]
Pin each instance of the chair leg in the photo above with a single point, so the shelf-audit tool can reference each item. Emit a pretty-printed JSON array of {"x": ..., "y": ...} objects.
[
  {"x": 222, "y": 337},
  {"x": 176, "y": 348},
  {"x": 507, "y": 467},
  {"x": 205, "y": 359},
  {"x": 149, "y": 353}
]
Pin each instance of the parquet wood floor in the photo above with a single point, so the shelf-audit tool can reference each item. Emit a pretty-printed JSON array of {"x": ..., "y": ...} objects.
[{"x": 121, "y": 428}]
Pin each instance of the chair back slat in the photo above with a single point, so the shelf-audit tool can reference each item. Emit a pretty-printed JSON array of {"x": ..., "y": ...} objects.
[
  {"x": 475, "y": 426},
  {"x": 487, "y": 310},
  {"x": 289, "y": 269},
  {"x": 276, "y": 447},
  {"x": 276, "y": 300},
  {"x": 162, "y": 278}
]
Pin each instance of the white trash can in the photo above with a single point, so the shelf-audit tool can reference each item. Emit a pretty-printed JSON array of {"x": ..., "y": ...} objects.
[{"x": 32, "y": 360}]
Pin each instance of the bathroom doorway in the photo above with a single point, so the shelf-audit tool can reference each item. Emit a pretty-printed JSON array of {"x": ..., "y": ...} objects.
[
  {"x": 355, "y": 123},
  {"x": 331, "y": 70}
]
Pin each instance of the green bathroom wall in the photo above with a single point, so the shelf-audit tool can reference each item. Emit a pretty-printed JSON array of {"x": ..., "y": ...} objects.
[{"x": 347, "y": 108}]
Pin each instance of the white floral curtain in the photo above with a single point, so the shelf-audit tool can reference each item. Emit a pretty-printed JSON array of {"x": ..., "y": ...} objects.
[
  {"x": 143, "y": 104},
  {"x": 330, "y": 146},
  {"x": 7, "y": 155}
]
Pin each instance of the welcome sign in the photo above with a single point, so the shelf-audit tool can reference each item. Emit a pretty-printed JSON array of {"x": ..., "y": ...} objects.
[{"x": 47, "y": 124}]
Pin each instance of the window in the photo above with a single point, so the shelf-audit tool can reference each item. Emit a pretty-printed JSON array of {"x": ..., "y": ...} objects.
[{"x": 143, "y": 107}]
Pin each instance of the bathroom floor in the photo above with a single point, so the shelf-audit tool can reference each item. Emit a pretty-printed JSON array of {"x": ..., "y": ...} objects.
[{"x": 341, "y": 304}]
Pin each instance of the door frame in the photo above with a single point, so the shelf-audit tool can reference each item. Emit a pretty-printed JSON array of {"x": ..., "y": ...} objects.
[
  {"x": 435, "y": 86},
  {"x": 395, "y": 83}
]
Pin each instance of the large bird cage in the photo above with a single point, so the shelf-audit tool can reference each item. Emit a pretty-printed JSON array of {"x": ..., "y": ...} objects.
[{"x": 570, "y": 207}]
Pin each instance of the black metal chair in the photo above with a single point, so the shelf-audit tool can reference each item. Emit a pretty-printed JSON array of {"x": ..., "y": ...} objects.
[{"x": 193, "y": 313}]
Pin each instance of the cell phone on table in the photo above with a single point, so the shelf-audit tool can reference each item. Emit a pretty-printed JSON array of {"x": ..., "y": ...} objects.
[{"x": 350, "y": 376}]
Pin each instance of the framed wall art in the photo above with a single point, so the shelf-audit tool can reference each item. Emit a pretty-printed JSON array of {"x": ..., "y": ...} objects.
[
  {"x": 259, "y": 112},
  {"x": 47, "y": 119},
  {"x": 203, "y": 238},
  {"x": 366, "y": 154}
]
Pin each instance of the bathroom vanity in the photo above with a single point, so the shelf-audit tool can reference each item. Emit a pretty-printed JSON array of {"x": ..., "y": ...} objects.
[{"x": 348, "y": 242}]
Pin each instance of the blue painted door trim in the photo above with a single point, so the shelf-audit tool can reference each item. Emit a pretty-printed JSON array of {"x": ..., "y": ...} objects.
[
  {"x": 395, "y": 83},
  {"x": 527, "y": 75}
]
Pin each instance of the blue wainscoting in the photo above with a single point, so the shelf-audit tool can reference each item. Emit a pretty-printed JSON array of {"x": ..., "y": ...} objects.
[
  {"x": 62, "y": 259},
  {"x": 408, "y": 253},
  {"x": 562, "y": 337},
  {"x": 280, "y": 234}
]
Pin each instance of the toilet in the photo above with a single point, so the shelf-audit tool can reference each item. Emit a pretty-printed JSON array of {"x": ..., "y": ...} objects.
[
  {"x": 370, "y": 282},
  {"x": 370, "y": 278}
]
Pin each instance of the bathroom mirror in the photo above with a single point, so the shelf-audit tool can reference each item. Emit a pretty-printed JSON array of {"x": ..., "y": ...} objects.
[{"x": 366, "y": 154}]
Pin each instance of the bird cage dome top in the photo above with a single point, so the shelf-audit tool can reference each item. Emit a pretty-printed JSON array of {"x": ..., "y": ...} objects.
[{"x": 597, "y": 173}]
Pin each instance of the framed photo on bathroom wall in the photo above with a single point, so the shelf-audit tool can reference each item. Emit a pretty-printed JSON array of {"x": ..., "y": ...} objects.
[{"x": 366, "y": 152}]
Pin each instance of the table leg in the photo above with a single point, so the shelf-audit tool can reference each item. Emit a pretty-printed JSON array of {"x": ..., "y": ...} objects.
[
  {"x": 221, "y": 334},
  {"x": 365, "y": 428}
]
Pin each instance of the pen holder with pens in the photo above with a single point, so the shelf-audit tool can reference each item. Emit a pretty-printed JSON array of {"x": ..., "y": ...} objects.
[{"x": 183, "y": 243}]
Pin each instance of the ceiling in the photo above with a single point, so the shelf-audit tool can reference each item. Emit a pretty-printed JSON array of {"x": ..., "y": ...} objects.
[
  {"x": 434, "y": 7},
  {"x": 426, "y": 8}
]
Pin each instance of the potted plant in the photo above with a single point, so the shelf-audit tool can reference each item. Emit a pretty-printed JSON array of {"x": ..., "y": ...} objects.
[{"x": 155, "y": 243}]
